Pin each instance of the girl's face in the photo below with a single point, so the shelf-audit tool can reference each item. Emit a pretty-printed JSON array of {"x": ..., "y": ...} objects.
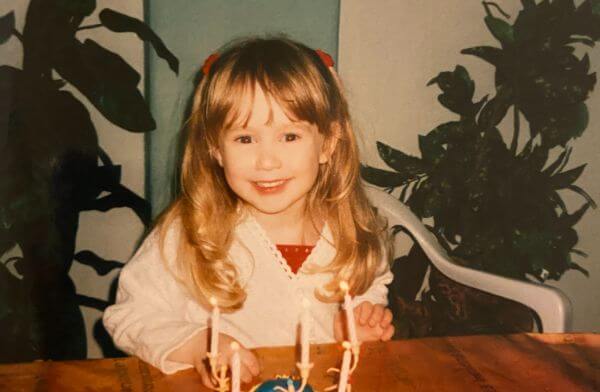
[{"x": 271, "y": 162}]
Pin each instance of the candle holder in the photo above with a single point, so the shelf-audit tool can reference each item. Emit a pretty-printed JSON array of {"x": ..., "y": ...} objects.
[
  {"x": 354, "y": 349},
  {"x": 219, "y": 376},
  {"x": 304, "y": 373}
]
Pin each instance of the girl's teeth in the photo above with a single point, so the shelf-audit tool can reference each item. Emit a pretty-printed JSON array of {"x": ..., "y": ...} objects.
[{"x": 269, "y": 184}]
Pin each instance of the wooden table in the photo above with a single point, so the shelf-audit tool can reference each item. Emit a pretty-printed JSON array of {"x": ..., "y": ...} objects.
[{"x": 524, "y": 362}]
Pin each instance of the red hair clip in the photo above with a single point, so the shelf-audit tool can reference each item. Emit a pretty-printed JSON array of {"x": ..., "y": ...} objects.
[
  {"x": 209, "y": 62},
  {"x": 325, "y": 58}
]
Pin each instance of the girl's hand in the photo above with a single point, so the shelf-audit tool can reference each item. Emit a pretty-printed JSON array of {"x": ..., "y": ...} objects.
[
  {"x": 373, "y": 322},
  {"x": 249, "y": 363}
]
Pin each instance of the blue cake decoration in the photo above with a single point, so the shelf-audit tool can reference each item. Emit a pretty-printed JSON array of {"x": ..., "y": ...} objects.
[{"x": 283, "y": 382}]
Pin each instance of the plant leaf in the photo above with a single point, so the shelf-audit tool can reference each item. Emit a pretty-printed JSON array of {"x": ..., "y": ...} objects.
[
  {"x": 564, "y": 179},
  {"x": 501, "y": 30},
  {"x": 80, "y": 7},
  {"x": 583, "y": 193},
  {"x": 106, "y": 65},
  {"x": 559, "y": 124},
  {"x": 495, "y": 109},
  {"x": 91, "y": 302},
  {"x": 108, "y": 177},
  {"x": 113, "y": 95},
  {"x": 528, "y": 4},
  {"x": 557, "y": 201},
  {"x": 563, "y": 157},
  {"x": 431, "y": 151},
  {"x": 537, "y": 158},
  {"x": 9, "y": 84},
  {"x": 416, "y": 200},
  {"x": 579, "y": 268},
  {"x": 7, "y": 26},
  {"x": 118, "y": 22},
  {"x": 401, "y": 162},
  {"x": 100, "y": 265},
  {"x": 457, "y": 91},
  {"x": 572, "y": 219},
  {"x": 409, "y": 272},
  {"x": 587, "y": 19},
  {"x": 123, "y": 197},
  {"x": 381, "y": 178},
  {"x": 579, "y": 252},
  {"x": 492, "y": 55},
  {"x": 403, "y": 193}
]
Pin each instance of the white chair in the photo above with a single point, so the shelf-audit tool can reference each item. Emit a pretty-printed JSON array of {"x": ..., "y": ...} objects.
[{"x": 550, "y": 304}]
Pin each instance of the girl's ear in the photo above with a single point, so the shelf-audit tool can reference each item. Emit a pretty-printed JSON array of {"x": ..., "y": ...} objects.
[
  {"x": 216, "y": 154},
  {"x": 330, "y": 143}
]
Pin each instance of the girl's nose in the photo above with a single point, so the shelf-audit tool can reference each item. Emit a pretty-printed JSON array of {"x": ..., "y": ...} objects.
[{"x": 268, "y": 159}]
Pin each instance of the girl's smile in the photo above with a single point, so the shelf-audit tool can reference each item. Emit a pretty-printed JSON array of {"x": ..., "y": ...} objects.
[{"x": 271, "y": 187}]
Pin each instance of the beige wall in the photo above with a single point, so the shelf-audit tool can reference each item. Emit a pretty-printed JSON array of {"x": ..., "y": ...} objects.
[
  {"x": 390, "y": 49},
  {"x": 111, "y": 235}
]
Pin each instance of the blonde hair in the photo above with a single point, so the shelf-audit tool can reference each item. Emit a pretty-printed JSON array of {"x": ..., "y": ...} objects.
[{"x": 307, "y": 90}]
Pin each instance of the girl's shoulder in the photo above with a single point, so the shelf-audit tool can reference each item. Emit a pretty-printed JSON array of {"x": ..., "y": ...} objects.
[
  {"x": 153, "y": 267},
  {"x": 160, "y": 244}
]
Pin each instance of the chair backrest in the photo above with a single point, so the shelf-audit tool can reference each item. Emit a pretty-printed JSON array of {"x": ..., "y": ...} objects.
[{"x": 550, "y": 304}]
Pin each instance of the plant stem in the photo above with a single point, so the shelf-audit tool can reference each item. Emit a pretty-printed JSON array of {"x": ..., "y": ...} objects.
[
  {"x": 18, "y": 35},
  {"x": 90, "y": 27},
  {"x": 515, "y": 139},
  {"x": 487, "y": 4}
]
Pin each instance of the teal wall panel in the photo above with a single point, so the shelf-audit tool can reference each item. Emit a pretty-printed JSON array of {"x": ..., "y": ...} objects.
[{"x": 192, "y": 29}]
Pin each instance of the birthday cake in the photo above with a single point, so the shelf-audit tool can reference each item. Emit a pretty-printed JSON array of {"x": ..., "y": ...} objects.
[{"x": 280, "y": 383}]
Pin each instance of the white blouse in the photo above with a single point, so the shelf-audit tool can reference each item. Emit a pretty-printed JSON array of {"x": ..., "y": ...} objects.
[{"x": 154, "y": 314}]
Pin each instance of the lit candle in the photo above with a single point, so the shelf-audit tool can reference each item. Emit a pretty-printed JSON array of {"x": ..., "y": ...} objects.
[
  {"x": 214, "y": 335},
  {"x": 305, "y": 332},
  {"x": 235, "y": 367},
  {"x": 349, "y": 313},
  {"x": 345, "y": 370}
]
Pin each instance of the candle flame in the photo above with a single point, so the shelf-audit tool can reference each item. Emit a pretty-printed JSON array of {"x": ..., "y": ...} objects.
[
  {"x": 213, "y": 301},
  {"x": 346, "y": 345},
  {"x": 235, "y": 346}
]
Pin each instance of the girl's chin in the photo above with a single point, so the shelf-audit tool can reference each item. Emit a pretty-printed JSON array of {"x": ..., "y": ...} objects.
[{"x": 273, "y": 207}]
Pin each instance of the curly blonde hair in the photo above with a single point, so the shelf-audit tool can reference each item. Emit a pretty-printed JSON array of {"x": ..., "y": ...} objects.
[{"x": 299, "y": 81}]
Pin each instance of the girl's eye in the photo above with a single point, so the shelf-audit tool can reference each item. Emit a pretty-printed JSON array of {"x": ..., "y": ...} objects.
[
  {"x": 290, "y": 137},
  {"x": 244, "y": 139}
]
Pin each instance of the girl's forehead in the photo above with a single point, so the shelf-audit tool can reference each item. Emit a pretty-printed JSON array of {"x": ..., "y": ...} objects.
[{"x": 256, "y": 108}]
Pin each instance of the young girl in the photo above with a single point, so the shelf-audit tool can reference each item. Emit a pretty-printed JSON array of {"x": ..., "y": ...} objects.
[{"x": 271, "y": 212}]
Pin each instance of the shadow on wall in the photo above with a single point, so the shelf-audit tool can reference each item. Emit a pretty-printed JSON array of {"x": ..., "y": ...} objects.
[
  {"x": 49, "y": 165},
  {"x": 495, "y": 206}
]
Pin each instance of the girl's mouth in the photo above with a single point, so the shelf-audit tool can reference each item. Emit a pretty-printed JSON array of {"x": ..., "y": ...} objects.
[{"x": 270, "y": 186}]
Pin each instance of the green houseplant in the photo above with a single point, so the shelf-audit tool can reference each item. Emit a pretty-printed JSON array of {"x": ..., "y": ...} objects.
[
  {"x": 496, "y": 205},
  {"x": 52, "y": 168}
]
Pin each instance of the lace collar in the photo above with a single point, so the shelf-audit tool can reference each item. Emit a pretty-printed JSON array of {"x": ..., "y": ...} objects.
[{"x": 315, "y": 257}]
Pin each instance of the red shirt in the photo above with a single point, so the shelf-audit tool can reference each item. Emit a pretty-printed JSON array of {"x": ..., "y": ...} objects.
[{"x": 295, "y": 254}]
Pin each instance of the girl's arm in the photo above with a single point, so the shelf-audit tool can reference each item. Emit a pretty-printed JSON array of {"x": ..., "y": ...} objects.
[{"x": 151, "y": 316}]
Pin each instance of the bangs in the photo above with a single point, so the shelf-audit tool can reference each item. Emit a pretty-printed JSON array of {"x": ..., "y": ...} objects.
[{"x": 293, "y": 76}]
